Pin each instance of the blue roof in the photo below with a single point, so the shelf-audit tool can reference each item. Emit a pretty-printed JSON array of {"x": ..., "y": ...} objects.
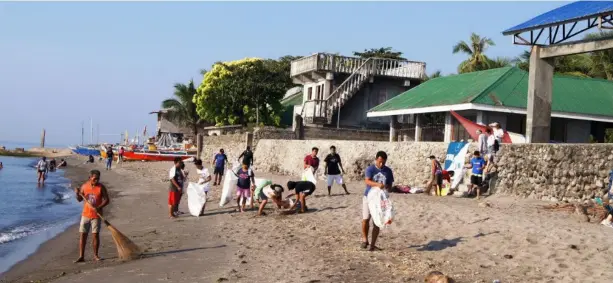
[{"x": 568, "y": 13}]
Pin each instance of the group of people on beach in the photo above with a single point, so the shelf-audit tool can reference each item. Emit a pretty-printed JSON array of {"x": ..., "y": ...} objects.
[{"x": 43, "y": 167}]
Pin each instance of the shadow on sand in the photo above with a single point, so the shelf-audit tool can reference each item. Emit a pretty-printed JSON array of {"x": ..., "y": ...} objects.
[{"x": 149, "y": 255}]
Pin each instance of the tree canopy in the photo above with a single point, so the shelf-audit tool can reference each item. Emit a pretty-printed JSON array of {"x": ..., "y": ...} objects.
[
  {"x": 383, "y": 52},
  {"x": 475, "y": 49},
  {"x": 181, "y": 108},
  {"x": 235, "y": 92}
]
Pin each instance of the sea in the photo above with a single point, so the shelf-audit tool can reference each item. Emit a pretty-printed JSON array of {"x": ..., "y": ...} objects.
[{"x": 31, "y": 214}]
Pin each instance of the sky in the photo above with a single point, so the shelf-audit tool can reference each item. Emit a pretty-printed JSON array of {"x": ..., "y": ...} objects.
[{"x": 62, "y": 64}]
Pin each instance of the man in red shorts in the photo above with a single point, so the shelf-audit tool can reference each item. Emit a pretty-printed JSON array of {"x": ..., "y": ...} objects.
[{"x": 176, "y": 187}]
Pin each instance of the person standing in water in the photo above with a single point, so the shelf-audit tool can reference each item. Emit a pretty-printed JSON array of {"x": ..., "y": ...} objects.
[
  {"x": 96, "y": 198},
  {"x": 247, "y": 156},
  {"x": 377, "y": 177},
  {"x": 219, "y": 162},
  {"x": 334, "y": 169},
  {"x": 41, "y": 169}
]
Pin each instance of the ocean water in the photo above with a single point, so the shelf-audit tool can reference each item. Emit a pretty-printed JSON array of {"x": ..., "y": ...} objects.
[{"x": 31, "y": 214}]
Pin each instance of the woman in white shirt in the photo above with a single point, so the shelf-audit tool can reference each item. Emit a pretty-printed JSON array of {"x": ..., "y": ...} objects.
[{"x": 204, "y": 179}]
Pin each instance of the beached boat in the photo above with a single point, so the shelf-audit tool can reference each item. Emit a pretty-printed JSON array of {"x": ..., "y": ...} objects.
[
  {"x": 85, "y": 150},
  {"x": 103, "y": 153},
  {"x": 155, "y": 156}
]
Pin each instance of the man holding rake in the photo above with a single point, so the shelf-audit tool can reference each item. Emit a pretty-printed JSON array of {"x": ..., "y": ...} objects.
[{"x": 96, "y": 198}]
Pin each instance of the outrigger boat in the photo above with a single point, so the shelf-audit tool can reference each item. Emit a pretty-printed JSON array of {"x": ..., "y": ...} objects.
[
  {"x": 156, "y": 155},
  {"x": 86, "y": 151}
]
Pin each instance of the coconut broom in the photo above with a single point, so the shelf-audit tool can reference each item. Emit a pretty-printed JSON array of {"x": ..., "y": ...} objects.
[{"x": 126, "y": 249}]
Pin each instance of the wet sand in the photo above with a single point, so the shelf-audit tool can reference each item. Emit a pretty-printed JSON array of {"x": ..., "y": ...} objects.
[{"x": 509, "y": 239}]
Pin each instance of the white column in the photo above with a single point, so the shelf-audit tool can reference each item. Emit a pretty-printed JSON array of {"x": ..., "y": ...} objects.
[
  {"x": 540, "y": 86},
  {"x": 417, "y": 128},
  {"x": 393, "y": 122},
  {"x": 448, "y": 127},
  {"x": 480, "y": 117}
]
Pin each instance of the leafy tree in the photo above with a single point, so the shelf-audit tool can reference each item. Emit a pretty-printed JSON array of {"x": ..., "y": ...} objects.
[
  {"x": 434, "y": 75},
  {"x": 601, "y": 61},
  {"x": 500, "y": 62},
  {"x": 475, "y": 49},
  {"x": 572, "y": 65},
  {"x": 181, "y": 109},
  {"x": 383, "y": 52},
  {"x": 523, "y": 61},
  {"x": 236, "y": 92}
]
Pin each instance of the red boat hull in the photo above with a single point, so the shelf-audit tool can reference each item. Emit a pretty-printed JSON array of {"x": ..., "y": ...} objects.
[{"x": 144, "y": 156}]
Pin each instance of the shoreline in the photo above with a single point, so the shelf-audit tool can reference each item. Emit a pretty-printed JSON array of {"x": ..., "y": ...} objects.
[{"x": 53, "y": 247}]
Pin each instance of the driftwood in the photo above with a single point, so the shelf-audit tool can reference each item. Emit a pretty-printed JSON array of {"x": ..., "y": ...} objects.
[{"x": 583, "y": 211}]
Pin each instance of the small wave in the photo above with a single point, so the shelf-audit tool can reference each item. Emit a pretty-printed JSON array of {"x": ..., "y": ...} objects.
[{"x": 15, "y": 234}]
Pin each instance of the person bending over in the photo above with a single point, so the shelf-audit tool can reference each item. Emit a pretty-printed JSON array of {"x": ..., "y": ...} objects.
[
  {"x": 302, "y": 189},
  {"x": 273, "y": 193}
]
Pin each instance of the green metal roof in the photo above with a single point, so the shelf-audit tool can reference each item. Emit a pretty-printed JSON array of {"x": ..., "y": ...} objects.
[
  {"x": 506, "y": 87},
  {"x": 294, "y": 99}
]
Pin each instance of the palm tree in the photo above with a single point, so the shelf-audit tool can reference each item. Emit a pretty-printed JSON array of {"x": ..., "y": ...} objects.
[
  {"x": 571, "y": 65},
  {"x": 523, "y": 61},
  {"x": 181, "y": 109},
  {"x": 477, "y": 60},
  {"x": 601, "y": 61}
]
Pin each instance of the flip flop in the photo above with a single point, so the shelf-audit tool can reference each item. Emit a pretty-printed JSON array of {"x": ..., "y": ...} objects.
[{"x": 364, "y": 245}]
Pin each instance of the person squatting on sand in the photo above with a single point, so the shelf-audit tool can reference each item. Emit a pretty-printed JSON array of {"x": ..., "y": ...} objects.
[
  {"x": 302, "y": 189},
  {"x": 334, "y": 170},
  {"x": 175, "y": 188},
  {"x": 273, "y": 193},
  {"x": 219, "y": 162},
  {"x": 204, "y": 179},
  {"x": 477, "y": 163},
  {"x": 377, "y": 177},
  {"x": 244, "y": 185},
  {"x": 41, "y": 170},
  {"x": 96, "y": 198}
]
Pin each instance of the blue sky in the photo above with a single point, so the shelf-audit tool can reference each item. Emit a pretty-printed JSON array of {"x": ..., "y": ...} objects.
[{"x": 62, "y": 63}]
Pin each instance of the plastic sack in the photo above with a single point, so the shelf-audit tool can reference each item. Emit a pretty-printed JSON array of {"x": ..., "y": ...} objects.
[
  {"x": 380, "y": 207},
  {"x": 307, "y": 175},
  {"x": 196, "y": 198},
  {"x": 229, "y": 185}
]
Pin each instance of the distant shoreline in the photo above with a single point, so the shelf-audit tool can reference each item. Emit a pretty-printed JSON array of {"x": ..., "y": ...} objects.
[{"x": 37, "y": 152}]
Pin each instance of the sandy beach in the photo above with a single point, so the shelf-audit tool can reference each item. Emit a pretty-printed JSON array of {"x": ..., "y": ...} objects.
[{"x": 508, "y": 239}]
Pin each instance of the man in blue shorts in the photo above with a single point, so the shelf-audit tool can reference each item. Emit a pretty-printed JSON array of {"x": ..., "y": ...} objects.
[
  {"x": 219, "y": 162},
  {"x": 378, "y": 177}
]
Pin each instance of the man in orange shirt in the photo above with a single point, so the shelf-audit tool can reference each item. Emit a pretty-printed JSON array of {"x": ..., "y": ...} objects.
[{"x": 96, "y": 198}]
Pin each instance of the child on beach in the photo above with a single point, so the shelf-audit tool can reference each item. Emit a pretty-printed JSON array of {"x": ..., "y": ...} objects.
[
  {"x": 204, "y": 177},
  {"x": 176, "y": 187},
  {"x": 244, "y": 185},
  {"x": 477, "y": 163}
]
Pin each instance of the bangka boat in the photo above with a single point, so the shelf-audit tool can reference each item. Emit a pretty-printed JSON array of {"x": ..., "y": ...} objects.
[
  {"x": 155, "y": 156},
  {"x": 85, "y": 150}
]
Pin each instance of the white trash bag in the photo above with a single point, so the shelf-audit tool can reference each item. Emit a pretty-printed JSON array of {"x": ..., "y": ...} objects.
[
  {"x": 229, "y": 185},
  {"x": 380, "y": 207},
  {"x": 196, "y": 198},
  {"x": 307, "y": 175}
]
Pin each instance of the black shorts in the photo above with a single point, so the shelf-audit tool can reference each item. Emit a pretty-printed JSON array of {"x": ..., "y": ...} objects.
[
  {"x": 218, "y": 170},
  {"x": 41, "y": 171},
  {"x": 307, "y": 192},
  {"x": 476, "y": 180},
  {"x": 439, "y": 179},
  {"x": 262, "y": 196}
]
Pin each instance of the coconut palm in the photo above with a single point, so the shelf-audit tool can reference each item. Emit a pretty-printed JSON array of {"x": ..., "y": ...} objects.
[
  {"x": 500, "y": 62},
  {"x": 181, "y": 109},
  {"x": 475, "y": 49},
  {"x": 523, "y": 60}
]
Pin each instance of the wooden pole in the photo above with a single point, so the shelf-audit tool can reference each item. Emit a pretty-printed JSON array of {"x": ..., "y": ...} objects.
[{"x": 42, "y": 139}]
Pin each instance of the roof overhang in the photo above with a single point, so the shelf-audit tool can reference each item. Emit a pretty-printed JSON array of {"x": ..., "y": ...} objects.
[{"x": 483, "y": 107}]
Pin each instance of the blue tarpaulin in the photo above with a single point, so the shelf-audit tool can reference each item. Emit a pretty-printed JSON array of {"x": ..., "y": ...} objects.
[{"x": 573, "y": 11}]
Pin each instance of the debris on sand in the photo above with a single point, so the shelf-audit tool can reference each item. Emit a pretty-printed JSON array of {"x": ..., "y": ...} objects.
[{"x": 437, "y": 277}]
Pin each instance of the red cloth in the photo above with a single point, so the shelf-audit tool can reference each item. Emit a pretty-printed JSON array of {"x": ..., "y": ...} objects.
[
  {"x": 312, "y": 161},
  {"x": 446, "y": 176},
  {"x": 472, "y": 127},
  {"x": 173, "y": 198}
]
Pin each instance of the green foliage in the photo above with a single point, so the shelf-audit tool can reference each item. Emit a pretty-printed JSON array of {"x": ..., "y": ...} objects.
[
  {"x": 235, "y": 92},
  {"x": 434, "y": 75},
  {"x": 383, "y": 52},
  {"x": 475, "y": 49},
  {"x": 601, "y": 62},
  {"x": 181, "y": 109},
  {"x": 608, "y": 135}
]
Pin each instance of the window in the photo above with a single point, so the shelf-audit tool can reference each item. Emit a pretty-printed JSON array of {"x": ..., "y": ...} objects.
[{"x": 310, "y": 93}]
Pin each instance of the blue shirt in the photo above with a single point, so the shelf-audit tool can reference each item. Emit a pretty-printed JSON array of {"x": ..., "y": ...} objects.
[
  {"x": 220, "y": 159},
  {"x": 381, "y": 176},
  {"x": 478, "y": 164}
]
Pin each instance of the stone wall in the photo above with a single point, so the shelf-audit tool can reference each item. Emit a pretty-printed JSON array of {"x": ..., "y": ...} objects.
[
  {"x": 409, "y": 160},
  {"x": 233, "y": 145},
  {"x": 539, "y": 171},
  {"x": 271, "y": 133},
  {"x": 554, "y": 171}
]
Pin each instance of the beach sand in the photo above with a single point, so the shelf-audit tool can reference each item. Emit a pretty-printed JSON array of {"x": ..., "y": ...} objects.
[{"x": 508, "y": 239}]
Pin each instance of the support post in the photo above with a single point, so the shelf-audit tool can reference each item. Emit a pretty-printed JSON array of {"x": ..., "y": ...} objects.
[
  {"x": 42, "y": 139},
  {"x": 480, "y": 117},
  {"x": 393, "y": 126},
  {"x": 199, "y": 144},
  {"x": 540, "y": 85},
  {"x": 417, "y": 128},
  {"x": 448, "y": 120}
]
